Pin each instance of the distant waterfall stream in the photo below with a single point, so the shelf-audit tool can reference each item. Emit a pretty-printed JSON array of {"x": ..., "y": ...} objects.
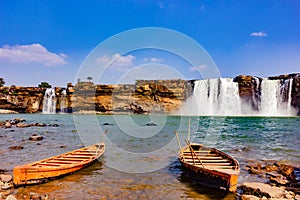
[
  {"x": 63, "y": 101},
  {"x": 49, "y": 103}
]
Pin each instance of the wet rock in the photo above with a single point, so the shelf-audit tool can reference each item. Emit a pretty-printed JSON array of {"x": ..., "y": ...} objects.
[
  {"x": 54, "y": 125},
  {"x": 10, "y": 197},
  {"x": 6, "y": 182},
  {"x": 22, "y": 125},
  {"x": 7, "y": 124},
  {"x": 249, "y": 197},
  {"x": 286, "y": 170},
  {"x": 39, "y": 124},
  {"x": 107, "y": 124},
  {"x": 16, "y": 147},
  {"x": 264, "y": 190},
  {"x": 4, "y": 194},
  {"x": 35, "y": 196},
  {"x": 279, "y": 180},
  {"x": 36, "y": 137},
  {"x": 151, "y": 124}
]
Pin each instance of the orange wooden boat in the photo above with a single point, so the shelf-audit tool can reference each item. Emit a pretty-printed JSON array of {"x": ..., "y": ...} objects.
[
  {"x": 56, "y": 166},
  {"x": 209, "y": 167}
]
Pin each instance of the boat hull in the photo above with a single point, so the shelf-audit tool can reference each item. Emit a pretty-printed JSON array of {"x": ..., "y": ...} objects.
[
  {"x": 212, "y": 179},
  {"x": 209, "y": 167},
  {"x": 56, "y": 166}
]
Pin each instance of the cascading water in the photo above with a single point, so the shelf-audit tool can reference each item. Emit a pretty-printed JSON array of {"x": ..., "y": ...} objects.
[
  {"x": 276, "y": 98},
  {"x": 220, "y": 97},
  {"x": 49, "y": 103},
  {"x": 63, "y": 101},
  {"x": 217, "y": 97}
]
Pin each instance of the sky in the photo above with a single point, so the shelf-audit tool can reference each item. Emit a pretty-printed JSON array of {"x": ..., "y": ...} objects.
[{"x": 52, "y": 40}]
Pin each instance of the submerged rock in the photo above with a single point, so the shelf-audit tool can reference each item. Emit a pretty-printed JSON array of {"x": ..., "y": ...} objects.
[
  {"x": 151, "y": 124},
  {"x": 22, "y": 125},
  {"x": 16, "y": 147},
  {"x": 35, "y": 137}
]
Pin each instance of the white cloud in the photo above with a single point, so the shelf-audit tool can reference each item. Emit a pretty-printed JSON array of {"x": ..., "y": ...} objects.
[
  {"x": 197, "y": 68},
  {"x": 32, "y": 53},
  {"x": 153, "y": 59},
  {"x": 259, "y": 34},
  {"x": 116, "y": 61}
]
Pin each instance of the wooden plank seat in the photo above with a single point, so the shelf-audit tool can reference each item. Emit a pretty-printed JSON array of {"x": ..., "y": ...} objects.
[
  {"x": 48, "y": 164},
  {"x": 69, "y": 159},
  {"x": 211, "y": 164},
  {"x": 203, "y": 157}
]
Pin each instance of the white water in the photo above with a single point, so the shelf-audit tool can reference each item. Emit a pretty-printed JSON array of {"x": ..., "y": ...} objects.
[
  {"x": 49, "y": 103},
  {"x": 272, "y": 98},
  {"x": 63, "y": 101},
  {"x": 215, "y": 97},
  {"x": 220, "y": 97}
]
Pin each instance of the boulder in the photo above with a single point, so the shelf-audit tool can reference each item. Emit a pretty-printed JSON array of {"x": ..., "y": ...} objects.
[
  {"x": 22, "y": 125},
  {"x": 16, "y": 147},
  {"x": 10, "y": 197},
  {"x": 7, "y": 124},
  {"x": 36, "y": 137},
  {"x": 264, "y": 190},
  {"x": 6, "y": 182}
]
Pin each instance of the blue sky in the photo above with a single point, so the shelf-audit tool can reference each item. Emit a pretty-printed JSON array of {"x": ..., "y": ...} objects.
[{"x": 49, "y": 40}]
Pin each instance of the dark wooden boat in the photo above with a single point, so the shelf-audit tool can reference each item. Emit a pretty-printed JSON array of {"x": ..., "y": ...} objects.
[
  {"x": 209, "y": 167},
  {"x": 56, "y": 166}
]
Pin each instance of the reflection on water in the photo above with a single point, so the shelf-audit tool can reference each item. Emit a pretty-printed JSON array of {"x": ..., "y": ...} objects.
[{"x": 245, "y": 138}]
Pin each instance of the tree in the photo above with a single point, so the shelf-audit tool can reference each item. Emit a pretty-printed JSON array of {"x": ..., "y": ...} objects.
[
  {"x": 2, "y": 82},
  {"x": 44, "y": 85},
  {"x": 89, "y": 78}
]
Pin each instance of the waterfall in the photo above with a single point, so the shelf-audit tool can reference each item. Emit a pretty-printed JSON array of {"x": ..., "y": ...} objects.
[
  {"x": 220, "y": 97},
  {"x": 276, "y": 98},
  {"x": 63, "y": 101},
  {"x": 217, "y": 97},
  {"x": 49, "y": 103}
]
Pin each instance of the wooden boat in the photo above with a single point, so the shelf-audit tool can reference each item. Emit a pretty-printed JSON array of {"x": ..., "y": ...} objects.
[
  {"x": 56, "y": 166},
  {"x": 209, "y": 167}
]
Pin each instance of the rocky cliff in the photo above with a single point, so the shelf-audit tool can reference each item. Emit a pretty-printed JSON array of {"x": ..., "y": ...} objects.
[
  {"x": 22, "y": 99},
  {"x": 250, "y": 87},
  {"x": 145, "y": 96}
]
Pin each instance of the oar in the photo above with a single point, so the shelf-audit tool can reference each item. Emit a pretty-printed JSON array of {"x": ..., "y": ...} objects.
[
  {"x": 178, "y": 141},
  {"x": 193, "y": 152},
  {"x": 105, "y": 132}
]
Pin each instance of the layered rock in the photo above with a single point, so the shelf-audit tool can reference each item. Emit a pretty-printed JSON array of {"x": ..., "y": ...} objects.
[
  {"x": 250, "y": 87},
  {"x": 21, "y": 99},
  {"x": 145, "y": 96}
]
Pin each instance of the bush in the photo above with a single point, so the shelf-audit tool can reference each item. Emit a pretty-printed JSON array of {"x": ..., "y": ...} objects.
[{"x": 44, "y": 85}]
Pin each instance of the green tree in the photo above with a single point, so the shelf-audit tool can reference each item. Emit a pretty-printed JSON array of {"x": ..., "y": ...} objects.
[
  {"x": 44, "y": 85},
  {"x": 2, "y": 82},
  {"x": 89, "y": 78}
]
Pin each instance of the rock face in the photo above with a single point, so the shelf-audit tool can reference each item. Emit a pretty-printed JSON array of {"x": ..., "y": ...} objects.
[
  {"x": 145, "y": 96},
  {"x": 21, "y": 99},
  {"x": 250, "y": 87}
]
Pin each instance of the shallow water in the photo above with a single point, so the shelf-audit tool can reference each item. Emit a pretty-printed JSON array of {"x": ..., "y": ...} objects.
[{"x": 140, "y": 161}]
